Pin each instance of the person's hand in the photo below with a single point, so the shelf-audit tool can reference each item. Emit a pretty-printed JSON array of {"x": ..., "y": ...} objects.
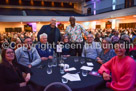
[
  {"x": 108, "y": 84},
  {"x": 23, "y": 84},
  {"x": 106, "y": 76},
  {"x": 44, "y": 58},
  {"x": 50, "y": 57},
  {"x": 24, "y": 75},
  {"x": 29, "y": 66},
  {"x": 98, "y": 58},
  {"x": 100, "y": 61},
  {"x": 68, "y": 56},
  {"x": 27, "y": 78}
]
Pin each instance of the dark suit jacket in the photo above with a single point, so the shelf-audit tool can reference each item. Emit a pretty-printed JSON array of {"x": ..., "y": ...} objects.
[
  {"x": 46, "y": 29},
  {"x": 10, "y": 77}
]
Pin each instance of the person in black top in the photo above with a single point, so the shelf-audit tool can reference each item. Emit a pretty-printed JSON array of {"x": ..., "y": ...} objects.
[
  {"x": 66, "y": 50},
  {"x": 13, "y": 76},
  {"x": 97, "y": 37},
  {"x": 52, "y": 31}
]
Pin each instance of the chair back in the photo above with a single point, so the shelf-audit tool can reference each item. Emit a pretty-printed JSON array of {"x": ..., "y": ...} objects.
[{"x": 57, "y": 86}]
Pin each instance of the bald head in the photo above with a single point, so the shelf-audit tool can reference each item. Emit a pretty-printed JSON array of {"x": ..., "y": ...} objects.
[
  {"x": 53, "y": 22},
  {"x": 53, "y": 19},
  {"x": 72, "y": 21},
  {"x": 72, "y": 17}
]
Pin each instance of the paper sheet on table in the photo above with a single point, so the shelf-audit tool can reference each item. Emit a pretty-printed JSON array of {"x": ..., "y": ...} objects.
[
  {"x": 86, "y": 68},
  {"x": 90, "y": 64},
  {"x": 59, "y": 48},
  {"x": 72, "y": 77},
  {"x": 70, "y": 69}
]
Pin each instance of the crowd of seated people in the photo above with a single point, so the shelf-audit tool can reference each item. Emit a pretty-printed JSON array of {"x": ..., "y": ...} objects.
[
  {"x": 115, "y": 37},
  {"x": 94, "y": 47},
  {"x": 132, "y": 50},
  {"x": 128, "y": 34},
  {"x": 97, "y": 37}
]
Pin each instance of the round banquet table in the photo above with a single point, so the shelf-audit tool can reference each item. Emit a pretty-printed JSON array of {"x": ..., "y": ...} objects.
[{"x": 88, "y": 83}]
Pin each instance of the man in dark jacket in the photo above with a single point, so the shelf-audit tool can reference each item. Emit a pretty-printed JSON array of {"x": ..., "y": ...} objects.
[{"x": 52, "y": 31}]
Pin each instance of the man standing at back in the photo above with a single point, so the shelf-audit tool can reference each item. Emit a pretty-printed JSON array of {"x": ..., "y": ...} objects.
[
  {"x": 74, "y": 31},
  {"x": 52, "y": 31}
]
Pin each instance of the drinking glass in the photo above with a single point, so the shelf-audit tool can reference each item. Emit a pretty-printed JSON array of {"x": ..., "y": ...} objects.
[
  {"x": 62, "y": 70},
  {"x": 49, "y": 70},
  {"x": 61, "y": 61},
  {"x": 50, "y": 63},
  {"x": 76, "y": 60},
  {"x": 64, "y": 80},
  {"x": 64, "y": 57},
  {"x": 54, "y": 62},
  {"x": 82, "y": 61},
  {"x": 84, "y": 72}
]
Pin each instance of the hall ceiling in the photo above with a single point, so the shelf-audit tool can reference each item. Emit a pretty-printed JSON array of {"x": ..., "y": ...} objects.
[{"x": 73, "y": 1}]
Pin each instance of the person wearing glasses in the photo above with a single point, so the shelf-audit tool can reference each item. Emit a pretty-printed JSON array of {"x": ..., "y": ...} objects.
[
  {"x": 91, "y": 49},
  {"x": 13, "y": 76},
  {"x": 107, "y": 51},
  {"x": 27, "y": 55},
  {"x": 66, "y": 50}
]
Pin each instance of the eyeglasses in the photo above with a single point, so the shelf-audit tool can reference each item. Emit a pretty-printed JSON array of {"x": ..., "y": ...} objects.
[
  {"x": 9, "y": 52},
  {"x": 89, "y": 37},
  {"x": 104, "y": 42},
  {"x": 28, "y": 41}
]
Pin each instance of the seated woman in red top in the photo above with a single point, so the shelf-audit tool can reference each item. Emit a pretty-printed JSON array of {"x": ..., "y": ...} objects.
[
  {"x": 13, "y": 76},
  {"x": 122, "y": 68}
]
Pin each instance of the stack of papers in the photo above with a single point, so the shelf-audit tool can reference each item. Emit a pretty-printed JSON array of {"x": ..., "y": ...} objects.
[
  {"x": 72, "y": 77},
  {"x": 70, "y": 69},
  {"x": 90, "y": 64},
  {"x": 86, "y": 68}
]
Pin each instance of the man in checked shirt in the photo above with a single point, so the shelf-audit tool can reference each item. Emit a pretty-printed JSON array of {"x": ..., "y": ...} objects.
[{"x": 74, "y": 31}]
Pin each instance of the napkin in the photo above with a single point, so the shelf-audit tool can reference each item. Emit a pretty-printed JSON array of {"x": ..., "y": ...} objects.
[
  {"x": 72, "y": 77},
  {"x": 70, "y": 69},
  {"x": 86, "y": 68},
  {"x": 90, "y": 64}
]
